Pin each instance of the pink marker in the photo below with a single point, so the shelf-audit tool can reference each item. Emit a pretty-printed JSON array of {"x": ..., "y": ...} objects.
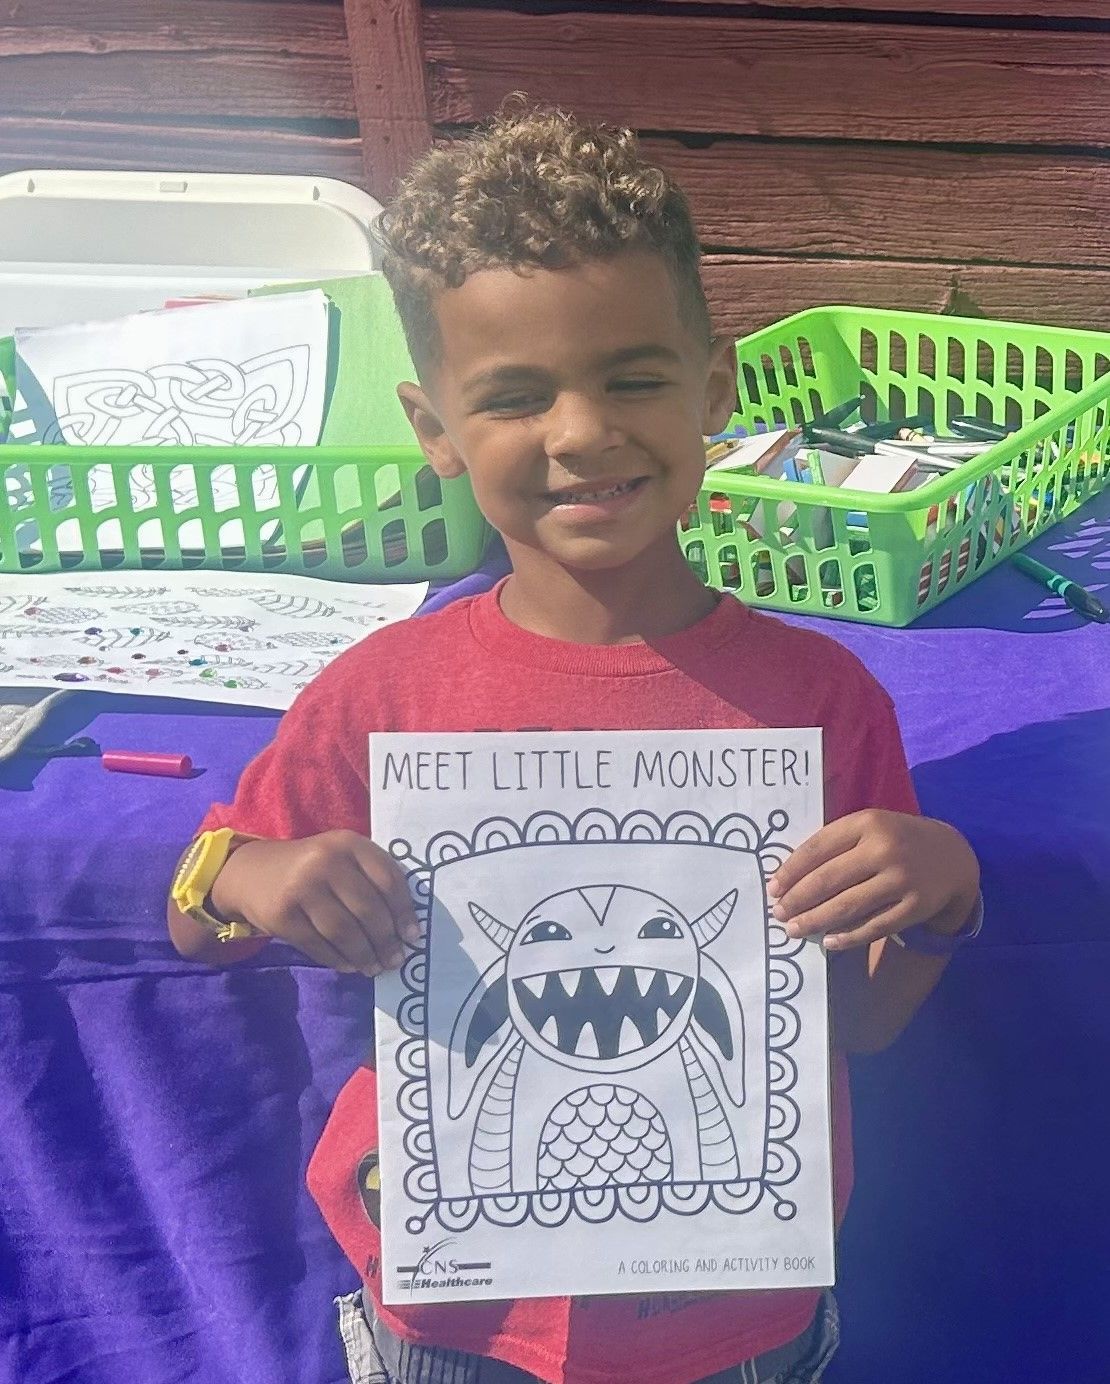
[{"x": 147, "y": 762}]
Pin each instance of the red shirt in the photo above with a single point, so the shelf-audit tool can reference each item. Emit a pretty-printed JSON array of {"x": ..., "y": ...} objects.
[{"x": 468, "y": 668}]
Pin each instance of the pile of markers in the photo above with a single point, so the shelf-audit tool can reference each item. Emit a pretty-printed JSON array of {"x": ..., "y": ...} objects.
[
  {"x": 888, "y": 457},
  {"x": 883, "y": 458}
]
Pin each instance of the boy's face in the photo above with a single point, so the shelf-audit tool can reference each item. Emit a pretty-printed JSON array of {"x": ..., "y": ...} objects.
[{"x": 576, "y": 399}]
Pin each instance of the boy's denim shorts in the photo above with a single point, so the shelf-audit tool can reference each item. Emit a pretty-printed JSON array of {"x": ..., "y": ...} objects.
[{"x": 376, "y": 1356}]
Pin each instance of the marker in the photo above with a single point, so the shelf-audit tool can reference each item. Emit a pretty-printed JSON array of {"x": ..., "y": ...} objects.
[
  {"x": 845, "y": 444},
  {"x": 957, "y": 451},
  {"x": 913, "y": 429},
  {"x": 1078, "y": 597},
  {"x": 835, "y": 416},
  {"x": 147, "y": 762},
  {"x": 967, "y": 425},
  {"x": 117, "y": 761},
  {"x": 923, "y": 456}
]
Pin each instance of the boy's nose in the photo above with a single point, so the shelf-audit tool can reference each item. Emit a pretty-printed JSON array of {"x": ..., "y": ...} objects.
[{"x": 580, "y": 425}]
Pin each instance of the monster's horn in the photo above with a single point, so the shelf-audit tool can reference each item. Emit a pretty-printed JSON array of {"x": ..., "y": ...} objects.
[
  {"x": 500, "y": 935},
  {"x": 712, "y": 922}
]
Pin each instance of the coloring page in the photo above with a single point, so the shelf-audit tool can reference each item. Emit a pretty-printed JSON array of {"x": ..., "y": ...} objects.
[
  {"x": 605, "y": 1068},
  {"x": 250, "y": 372},
  {"x": 246, "y": 638},
  {"x": 244, "y": 373}
]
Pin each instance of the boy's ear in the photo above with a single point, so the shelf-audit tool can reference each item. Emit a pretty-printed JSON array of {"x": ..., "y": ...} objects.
[
  {"x": 437, "y": 447},
  {"x": 720, "y": 386}
]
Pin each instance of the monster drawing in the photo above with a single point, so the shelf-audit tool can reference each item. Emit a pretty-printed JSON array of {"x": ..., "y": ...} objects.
[{"x": 606, "y": 1001}]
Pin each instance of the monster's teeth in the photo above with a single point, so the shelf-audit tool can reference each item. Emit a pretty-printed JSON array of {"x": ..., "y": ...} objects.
[
  {"x": 644, "y": 979},
  {"x": 570, "y": 981},
  {"x": 607, "y": 977},
  {"x": 629, "y": 1039},
  {"x": 662, "y": 1020},
  {"x": 673, "y": 982},
  {"x": 535, "y": 984},
  {"x": 587, "y": 1042},
  {"x": 550, "y": 1031}
]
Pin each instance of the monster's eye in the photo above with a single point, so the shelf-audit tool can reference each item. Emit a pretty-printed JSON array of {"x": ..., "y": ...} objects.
[
  {"x": 546, "y": 932},
  {"x": 660, "y": 927}
]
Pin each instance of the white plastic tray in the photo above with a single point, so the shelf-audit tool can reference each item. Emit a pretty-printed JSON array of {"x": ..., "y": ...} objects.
[{"x": 76, "y": 246}]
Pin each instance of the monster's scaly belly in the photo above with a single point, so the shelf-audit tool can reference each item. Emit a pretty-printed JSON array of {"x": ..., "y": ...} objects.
[{"x": 601, "y": 1136}]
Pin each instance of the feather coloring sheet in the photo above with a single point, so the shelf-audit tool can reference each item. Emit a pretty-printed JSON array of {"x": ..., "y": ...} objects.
[
  {"x": 243, "y": 373},
  {"x": 245, "y": 638},
  {"x": 605, "y": 1069}
]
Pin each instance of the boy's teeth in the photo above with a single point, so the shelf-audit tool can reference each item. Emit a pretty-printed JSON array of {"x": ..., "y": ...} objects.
[{"x": 573, "y": 497}]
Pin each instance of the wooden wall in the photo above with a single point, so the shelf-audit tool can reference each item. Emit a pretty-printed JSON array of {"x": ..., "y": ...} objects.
[{"x": 947, "y": 155}]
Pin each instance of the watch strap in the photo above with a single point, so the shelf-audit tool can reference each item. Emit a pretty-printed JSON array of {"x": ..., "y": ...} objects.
[{"x": 925, "y": 940}]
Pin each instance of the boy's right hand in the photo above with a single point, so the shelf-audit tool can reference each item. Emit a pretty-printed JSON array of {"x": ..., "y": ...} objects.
[{"x": 337, "y": 897}]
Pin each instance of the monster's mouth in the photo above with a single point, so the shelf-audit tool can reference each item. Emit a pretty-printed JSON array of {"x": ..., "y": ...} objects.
[{"x": 603, "y": 1011}]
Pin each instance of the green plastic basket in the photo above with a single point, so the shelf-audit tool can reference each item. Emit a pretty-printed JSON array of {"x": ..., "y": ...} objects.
[
  {"x": 886, "y": 559},
  {"x": 360, "y": 513}
]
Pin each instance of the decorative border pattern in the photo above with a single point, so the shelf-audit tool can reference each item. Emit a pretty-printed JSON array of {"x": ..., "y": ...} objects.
[{"x": 597, "y": 1205}]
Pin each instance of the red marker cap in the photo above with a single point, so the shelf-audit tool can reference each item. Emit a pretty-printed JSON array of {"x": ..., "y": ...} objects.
[{"x": 147, "y": 762}]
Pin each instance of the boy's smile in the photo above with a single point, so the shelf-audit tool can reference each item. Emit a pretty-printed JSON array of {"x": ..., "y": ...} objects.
[{"x": 577, "y": 400}]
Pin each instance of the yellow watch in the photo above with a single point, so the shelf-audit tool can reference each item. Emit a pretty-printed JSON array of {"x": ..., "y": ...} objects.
[{"x": 195, "y": 875}]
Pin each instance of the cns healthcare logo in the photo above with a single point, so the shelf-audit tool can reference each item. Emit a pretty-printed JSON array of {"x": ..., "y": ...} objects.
[{"x": 436, "y": 1268}]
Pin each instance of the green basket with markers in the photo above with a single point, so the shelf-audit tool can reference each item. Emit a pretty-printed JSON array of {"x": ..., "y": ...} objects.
[
  {"x": 359, "y": 513},
  {"x": 885, "y": 559}
]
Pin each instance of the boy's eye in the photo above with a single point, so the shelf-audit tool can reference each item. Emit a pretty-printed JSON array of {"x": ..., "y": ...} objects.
[
  {"x": 637, "y": 386},
  {"x": 516, "y": 403}
]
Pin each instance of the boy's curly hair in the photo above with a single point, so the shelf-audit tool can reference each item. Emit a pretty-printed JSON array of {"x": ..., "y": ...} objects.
[{"x": 532, "y": 189}]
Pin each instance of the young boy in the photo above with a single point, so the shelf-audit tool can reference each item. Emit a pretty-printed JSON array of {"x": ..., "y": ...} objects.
[{"x": 549, "y": 288}]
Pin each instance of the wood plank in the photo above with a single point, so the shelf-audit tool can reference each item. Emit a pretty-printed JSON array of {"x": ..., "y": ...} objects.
[
  {"x": 88, "y": 23},
  {"x": 866, "y": 214},
  {"x": 387, "y": 60},
  {"x": 1009, "y": 9},
  {"x": 785, "y": 78},
  {"x": 747, "y": 292},
  {"x": 883, "y": 200},
  {"x": 34, "y": 26},
  {"x": 253, "y": 58},
  {"x": 28, "y": 142}
]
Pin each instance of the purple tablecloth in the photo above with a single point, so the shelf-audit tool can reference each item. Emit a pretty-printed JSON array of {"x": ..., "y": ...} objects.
[{"x": 157, "y": 1117}]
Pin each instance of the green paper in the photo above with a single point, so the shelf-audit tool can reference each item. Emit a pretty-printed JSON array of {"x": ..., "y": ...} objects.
[
  {"x": 368, "y": 358},
  {"x": 372, "y": 359}
]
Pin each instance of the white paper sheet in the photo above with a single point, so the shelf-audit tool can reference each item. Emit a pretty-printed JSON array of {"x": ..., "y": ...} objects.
[
  {"x": 244, "y": 638},
  {"x": 244, "y": 373},
  {"x": 606, "y": 1068}
]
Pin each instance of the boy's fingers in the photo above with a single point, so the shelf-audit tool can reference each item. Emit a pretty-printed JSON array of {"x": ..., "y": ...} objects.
[
  {"x": 824, "y": 845},
  {"x": 842, "y": 913},
  {"x": 346, "y": 933},
  {"x": 366, "y": 904},
  {"x": 823, "y": 883},
  {"x": 300, "y": 933},
  {"x": 878, "y": 926},
  {"x": 386, "y": 876}
]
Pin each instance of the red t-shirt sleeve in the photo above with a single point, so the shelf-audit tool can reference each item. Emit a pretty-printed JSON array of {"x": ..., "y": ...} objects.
[
  {"x": 311, "y": 778},
  {"x": 865, "y": 761}
]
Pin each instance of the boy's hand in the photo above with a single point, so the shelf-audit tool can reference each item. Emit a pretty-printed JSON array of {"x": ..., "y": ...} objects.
[
  {"x": 872, "y": 874},
  {"x": 336, "y": 897}
]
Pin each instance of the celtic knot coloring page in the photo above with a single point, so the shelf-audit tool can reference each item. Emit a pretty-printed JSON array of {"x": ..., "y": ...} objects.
[{"x": 249, "y": 373}]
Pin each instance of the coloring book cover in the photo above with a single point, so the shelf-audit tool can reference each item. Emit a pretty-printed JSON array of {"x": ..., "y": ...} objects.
[{"x": 605, "y": 1069}]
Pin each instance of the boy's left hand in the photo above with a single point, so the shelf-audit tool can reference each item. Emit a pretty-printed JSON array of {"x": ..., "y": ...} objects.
[{"x": 873, "y": 874}]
